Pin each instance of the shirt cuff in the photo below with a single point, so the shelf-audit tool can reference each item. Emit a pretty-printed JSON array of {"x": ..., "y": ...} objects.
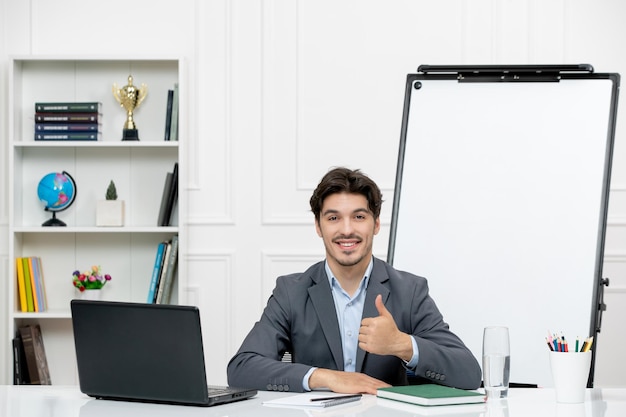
[
  {"x": 305, "y": 380},
  {"x": 416, "y": 355}
]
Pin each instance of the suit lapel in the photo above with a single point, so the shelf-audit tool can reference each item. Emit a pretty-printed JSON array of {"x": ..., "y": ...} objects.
[{"x": 327, "y": 316}]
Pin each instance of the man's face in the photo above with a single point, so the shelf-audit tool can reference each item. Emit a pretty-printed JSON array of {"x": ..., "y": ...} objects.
[{"x": 347, "y": 227}]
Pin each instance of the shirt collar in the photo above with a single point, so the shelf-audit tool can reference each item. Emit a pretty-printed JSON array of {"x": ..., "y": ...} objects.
[{"x": 333, "y": 281}]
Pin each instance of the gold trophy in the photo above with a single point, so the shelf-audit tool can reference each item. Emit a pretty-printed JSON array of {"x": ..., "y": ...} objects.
[{"x": 130, "y": 97}]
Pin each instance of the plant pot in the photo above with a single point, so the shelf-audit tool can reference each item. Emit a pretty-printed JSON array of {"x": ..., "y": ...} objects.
[
  {"x": 110, "y": 213},
  {"x": 93, "y": 295}
]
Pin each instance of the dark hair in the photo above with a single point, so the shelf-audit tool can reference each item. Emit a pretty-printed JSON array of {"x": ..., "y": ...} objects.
[{"x": 344, "y": 180}]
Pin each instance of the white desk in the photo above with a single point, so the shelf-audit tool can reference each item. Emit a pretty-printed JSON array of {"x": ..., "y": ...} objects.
[{"x": 55, "y": 401}]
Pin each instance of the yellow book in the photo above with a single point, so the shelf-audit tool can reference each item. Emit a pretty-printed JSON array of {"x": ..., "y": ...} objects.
[
  {"x": 27, "y": 285},
  {"x": 21, "y": 287}
]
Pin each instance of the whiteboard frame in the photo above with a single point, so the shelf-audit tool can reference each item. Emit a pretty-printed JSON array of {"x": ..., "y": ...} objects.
[{"x": 405, "y": 247}]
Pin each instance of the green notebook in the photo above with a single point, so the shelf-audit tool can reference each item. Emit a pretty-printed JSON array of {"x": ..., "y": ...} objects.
[{"x": 431, "y": 394}]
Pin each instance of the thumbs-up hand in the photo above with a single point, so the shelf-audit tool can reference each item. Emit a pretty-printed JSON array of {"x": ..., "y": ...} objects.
[{"x": 381, "y": 336}]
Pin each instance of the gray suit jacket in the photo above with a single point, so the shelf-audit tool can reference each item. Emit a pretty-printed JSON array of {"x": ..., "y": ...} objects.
[{"x": 300, "y": 318}]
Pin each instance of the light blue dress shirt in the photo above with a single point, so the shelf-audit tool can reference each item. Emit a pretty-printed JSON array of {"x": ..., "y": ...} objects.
[{"x": 349, "y": 314}]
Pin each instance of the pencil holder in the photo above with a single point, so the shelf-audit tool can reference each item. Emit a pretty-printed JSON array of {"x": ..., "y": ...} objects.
[{"x": 570, "y": 371}]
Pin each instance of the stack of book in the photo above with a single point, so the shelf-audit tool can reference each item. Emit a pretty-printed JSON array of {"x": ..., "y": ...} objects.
[
  {"x": 68, "y": 121},
  {"x": 31, "y": 290},
  {"x": 163, "y": 273},
  {"x": 30, "y": 365}
]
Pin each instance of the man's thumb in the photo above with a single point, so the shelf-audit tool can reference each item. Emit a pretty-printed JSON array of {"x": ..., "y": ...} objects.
[{"x": 382, "y": 310}]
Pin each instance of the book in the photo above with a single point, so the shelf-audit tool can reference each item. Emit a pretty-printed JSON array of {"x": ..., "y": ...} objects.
[
  {"x": 68, "y": 136},
  {"x": 20, "y": 370},
  {"x": 164, "y": 266},
  {"x": 168, "y": 114},
  {"x": 21, "y": 285},
  {"x": 43, "y": 287},
  {"x": 173, "y": 196},
  {"x": 431, "y": 394},
  {"x": 154, "y": 281},
  {"x": 165, "y": 287},
  {"x": 166, "y": 191},
  {"x": 456, "y": 410},
  {"x": 35, "y": 355},
  {"x": 64, "y": 107},
  {"x": 68, "y": 117},
  {"x": 40, "y": 354},
  {"x": 174, "y": 121},
  {"x": 169, "y": 198},
  {"x": 35, "y": 267},
  {"x": 30, "y": 306},
  {"x": 67, "y": 127},
  {"x": 33, "y": 285}
]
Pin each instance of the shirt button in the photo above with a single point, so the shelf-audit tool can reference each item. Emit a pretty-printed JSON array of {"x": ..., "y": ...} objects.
[
  {"x": 349, "y": 361},
  {"x": 349, "y": 333}
]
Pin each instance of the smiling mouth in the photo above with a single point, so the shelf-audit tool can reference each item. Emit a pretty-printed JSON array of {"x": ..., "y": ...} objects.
[{"x": 347, "y": 245}]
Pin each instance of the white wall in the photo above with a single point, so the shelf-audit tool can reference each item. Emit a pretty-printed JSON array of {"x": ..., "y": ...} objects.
[{"x": 282, "y": 90}]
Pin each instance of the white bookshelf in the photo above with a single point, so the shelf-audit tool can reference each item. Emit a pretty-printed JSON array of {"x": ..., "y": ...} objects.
[{"x": 138, "y": 169}]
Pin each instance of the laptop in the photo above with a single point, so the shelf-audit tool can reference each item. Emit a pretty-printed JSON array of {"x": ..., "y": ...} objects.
[{"x": 144, "y": 352}]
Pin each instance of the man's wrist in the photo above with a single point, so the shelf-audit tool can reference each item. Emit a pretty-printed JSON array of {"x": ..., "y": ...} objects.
[{"x": 307, "y": 377}]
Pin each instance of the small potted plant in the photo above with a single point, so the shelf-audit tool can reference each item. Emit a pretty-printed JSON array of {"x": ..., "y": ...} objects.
[
  {"x": 90, "y": 282},
  {"x": 110, "y": 212}
]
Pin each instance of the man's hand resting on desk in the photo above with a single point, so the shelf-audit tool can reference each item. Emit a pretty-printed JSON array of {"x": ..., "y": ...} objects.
[{"x": 345, "y": 382}]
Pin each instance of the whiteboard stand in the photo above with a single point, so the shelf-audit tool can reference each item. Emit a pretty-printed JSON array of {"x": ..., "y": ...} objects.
[{"x": 501, "y": 201}]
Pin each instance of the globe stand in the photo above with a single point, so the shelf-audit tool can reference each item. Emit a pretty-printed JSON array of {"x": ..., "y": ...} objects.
[{"x": 54, "y": 221}]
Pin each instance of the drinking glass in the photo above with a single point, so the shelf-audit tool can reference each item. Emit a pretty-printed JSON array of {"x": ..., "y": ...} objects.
[{"x": 496, "y": 361}]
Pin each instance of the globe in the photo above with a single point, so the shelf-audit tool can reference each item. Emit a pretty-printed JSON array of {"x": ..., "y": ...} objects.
[{"x": 57, "y": 190}]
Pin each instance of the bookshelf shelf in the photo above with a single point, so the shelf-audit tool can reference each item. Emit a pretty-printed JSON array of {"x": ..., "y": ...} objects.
[
  {"x": 96, "y": 144},
  {"x": 138, "y": 169},
  {"x": 94, "y": 229}
]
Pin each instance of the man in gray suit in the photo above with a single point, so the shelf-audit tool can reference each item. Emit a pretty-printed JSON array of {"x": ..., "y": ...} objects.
[{"x": 352, "y": 323}]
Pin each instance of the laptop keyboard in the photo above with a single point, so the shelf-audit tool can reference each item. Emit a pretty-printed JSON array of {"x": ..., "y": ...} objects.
[{"x": 217, "y": 390}]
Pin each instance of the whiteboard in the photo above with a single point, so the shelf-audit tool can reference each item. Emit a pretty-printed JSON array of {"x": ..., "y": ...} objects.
[{"x": 500, "y": 202}]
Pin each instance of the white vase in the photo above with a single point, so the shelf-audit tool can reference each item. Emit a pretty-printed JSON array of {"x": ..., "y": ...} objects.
[
  {"x": 91, "y": 295},
  {"x": 110, "y": 213}
]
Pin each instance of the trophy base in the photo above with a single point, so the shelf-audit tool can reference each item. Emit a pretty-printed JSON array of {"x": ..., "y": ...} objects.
[{"x": 130, "y": 134}]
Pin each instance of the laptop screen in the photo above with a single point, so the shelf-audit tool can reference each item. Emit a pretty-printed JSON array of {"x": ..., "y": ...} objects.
[{"x": 136, "y": 351}]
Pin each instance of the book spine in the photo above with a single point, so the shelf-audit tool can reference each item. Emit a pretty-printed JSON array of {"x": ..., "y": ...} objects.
[
  {"x": 21, "y": 286},
  {"x": 17, "y": 365},
  {"x": 155, "y": 272},
  {"x": 67, "y": 127},
  {"x": 171, "y": 270},
  {"x": 34, "y": 284},
  {"x": 43, "y": 287},
  {"x": 79, "y": 107},
  {"x": 29, "y": 354},
  {"x": 29, "y": 289},
  {"x": 68, "y": 117},
  {"x": 168, "y": 114},
  {"x": 36, "y": 272},
  {"x": 69, "y": 136},
  {"x": 161, "y": 221}
]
